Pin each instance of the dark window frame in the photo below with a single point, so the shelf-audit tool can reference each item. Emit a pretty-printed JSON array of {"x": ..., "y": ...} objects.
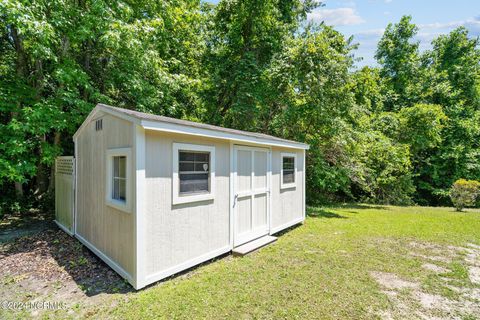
[
  {"x": 288, "y": 170},
  {"x": 193, "y": 163}
]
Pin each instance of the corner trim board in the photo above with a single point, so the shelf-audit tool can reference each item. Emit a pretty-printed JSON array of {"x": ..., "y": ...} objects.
[
  {"x": 139, "y": 210},
  {"x": 65, "y": 229}
]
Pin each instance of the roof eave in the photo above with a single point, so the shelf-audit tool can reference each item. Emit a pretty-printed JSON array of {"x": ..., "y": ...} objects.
[
  {"x": 101, "y": 108},
  {"x": 190, "y": 130},
  {"x": 210, "y": 133}
]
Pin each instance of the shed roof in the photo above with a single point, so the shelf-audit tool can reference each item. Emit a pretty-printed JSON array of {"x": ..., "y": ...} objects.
[{"x": 162, "y": 123}]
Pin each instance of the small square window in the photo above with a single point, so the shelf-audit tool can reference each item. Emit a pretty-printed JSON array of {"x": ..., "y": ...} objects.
[
  {"x": 289, "y": 170},
  {"x": 194, "y": 169},
  {"x": 193, "y": 173}
]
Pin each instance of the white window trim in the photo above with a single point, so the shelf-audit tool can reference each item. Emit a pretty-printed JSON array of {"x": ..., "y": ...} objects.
[
  {"x": 177, "y": 198},
  {"x": 126, "y": 205},
  {"x": 288, "y": 185}
]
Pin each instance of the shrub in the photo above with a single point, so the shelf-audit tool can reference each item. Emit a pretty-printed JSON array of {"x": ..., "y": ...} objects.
[{"x": 464, "y": 193}]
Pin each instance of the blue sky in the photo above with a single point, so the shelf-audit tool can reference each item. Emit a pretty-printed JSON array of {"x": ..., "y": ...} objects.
[{"x": 367, "y": 19}]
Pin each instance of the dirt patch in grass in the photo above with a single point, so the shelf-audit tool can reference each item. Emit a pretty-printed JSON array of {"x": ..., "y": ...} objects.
[
  {"x": 435, "y": 268},
  {"x": 54, "y": 267},
  {"x": 392, "y": 281},
  {"x": 411, "y": 298}
]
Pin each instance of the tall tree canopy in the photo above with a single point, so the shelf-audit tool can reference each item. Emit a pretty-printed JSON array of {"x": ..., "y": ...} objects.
[
  {"x": 398, "y": 133},
  {"x": 60, "y": 58}
]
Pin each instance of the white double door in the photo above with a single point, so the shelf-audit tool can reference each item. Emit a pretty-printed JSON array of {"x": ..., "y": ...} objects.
[{"x": 251, "y": 190}]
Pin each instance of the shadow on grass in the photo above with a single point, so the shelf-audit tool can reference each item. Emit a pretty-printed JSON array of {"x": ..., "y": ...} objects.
[
  {"x": 323, "y": 213},
  {"x": 360, "y": 206}
]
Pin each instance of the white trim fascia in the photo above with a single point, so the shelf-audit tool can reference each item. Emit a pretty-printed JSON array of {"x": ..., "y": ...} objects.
[
  {"x": 232, "y": 196},
  {"x": 140, "y": 200},
  {"x": 75, "y": 185},
  {"x": 62, "y": 227},
  {"x": 304, "y": 178},
  {"x": 119, "y": 205},
  {"x": 122, "y": 272},
  {"x": 212, "y": 133},
  {"x": 186, "y": 265},
  {"x": 269, "y": 192},
  {"x": 286, "y": 225},
  {"x": 288, "y": 185},
  {"x": 176, "y": 197},
  {"x": 101, "y": 108}
]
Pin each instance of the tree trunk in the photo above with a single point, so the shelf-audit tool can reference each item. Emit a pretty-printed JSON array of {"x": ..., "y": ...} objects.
[
  {"x": 21, "y": 68},
  {"x": 19, "y": 189},
  {"x": 42, "y": 177}
]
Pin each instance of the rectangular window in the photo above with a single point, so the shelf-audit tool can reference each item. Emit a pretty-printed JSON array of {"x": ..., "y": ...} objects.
[
  {"x": 119, "y": 178},
  {"x": 193, "y": 173},
  {"x": 194, "y": 168},
  {"x": 289, "y": 169},
  {"x": 118, "y": 172}
]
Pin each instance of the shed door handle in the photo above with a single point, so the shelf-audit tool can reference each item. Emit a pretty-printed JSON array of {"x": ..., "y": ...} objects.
[{"x": 235, "y": 200}]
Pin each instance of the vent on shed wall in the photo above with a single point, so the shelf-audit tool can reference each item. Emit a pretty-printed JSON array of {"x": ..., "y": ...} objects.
[{"x": 99, "y": 125}]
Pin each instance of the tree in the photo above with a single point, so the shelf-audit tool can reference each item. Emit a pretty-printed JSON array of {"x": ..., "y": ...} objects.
[
  {"x": 310, "y": 100},
  {"x": 243, "y": 38},
  {"x": 453, "y": 69},
  {"x": 398, "y": 55},
  {"x": 60, "y": 58}
]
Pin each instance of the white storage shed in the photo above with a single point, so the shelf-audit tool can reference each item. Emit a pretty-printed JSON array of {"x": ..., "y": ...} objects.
[{"x": 156, "y": 195}]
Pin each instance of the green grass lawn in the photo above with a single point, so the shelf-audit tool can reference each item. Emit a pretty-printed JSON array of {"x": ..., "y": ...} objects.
[
  {"x": 323, "y": 269},
  {"x": 348, "y": 262}
]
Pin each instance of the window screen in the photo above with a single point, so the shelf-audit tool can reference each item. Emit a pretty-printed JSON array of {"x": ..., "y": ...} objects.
[
  {"x": 288, "y": 166},
  {"x": 194, "y": 172},
  {"x": 119, "y": 178}
]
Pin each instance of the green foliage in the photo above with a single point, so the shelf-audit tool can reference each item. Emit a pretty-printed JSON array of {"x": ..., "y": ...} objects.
[
  {"x": 398, "y": 55},
  {"x": 58, "y": 59},
  {"x": 421, "y": 126},
  {"x": 309, "y": 101},
  {"x": 243, "y": 38},
  {"x": 464, "y": 193},
  {"x": 402, "y": 132}
]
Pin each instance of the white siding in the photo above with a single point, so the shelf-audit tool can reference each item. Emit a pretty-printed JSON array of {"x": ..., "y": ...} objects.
[
  {"x": 177, "y": 234},
  {"x": 287, "y": 204}
]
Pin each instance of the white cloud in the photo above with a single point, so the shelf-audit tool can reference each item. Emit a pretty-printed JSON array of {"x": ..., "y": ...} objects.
[
  {"x": 368, "y": 39},
  {"x": 388, "y": 1},
  {"x": 472, "y": 25},
  {"x": 336, "y": 17}
]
